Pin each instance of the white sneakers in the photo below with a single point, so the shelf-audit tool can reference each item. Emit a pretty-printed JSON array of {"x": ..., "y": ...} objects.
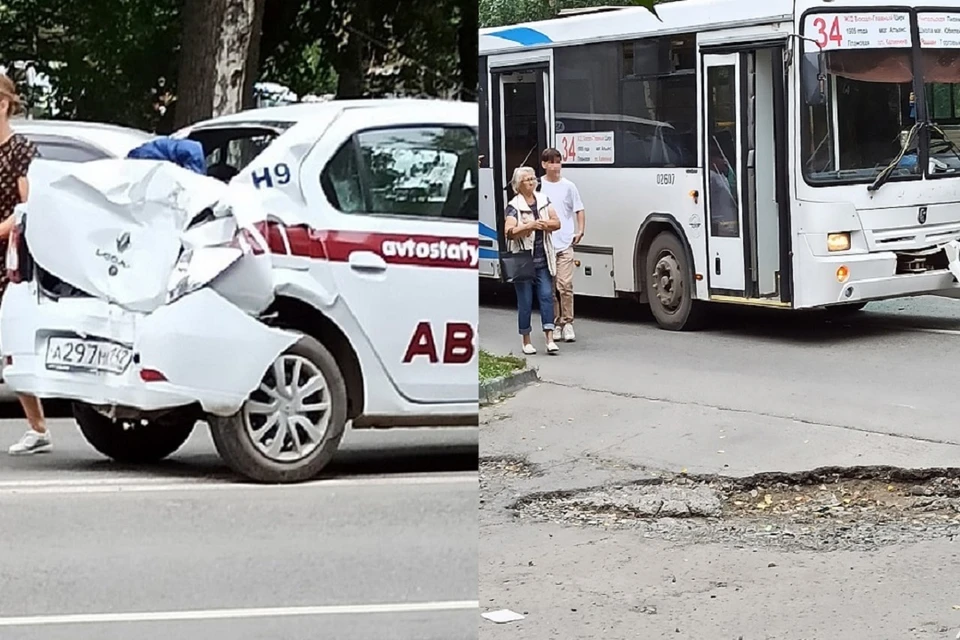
[
  {"x": 564, "y": 333},
  {"x": 552, "y": 348},
  {"x": 32, "y": 442}
]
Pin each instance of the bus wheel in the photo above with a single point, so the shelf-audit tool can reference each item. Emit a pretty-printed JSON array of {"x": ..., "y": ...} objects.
[
  {"x": 843, "y": 310},
  {"x": 669, "y": 289}
]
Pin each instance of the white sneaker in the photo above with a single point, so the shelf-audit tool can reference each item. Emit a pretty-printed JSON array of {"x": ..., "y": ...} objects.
[
  {"x": 568, "y": 334},
  {"x": 552, "y": 348},
  {"x": 558, "y": 334},
  {"x": 529, "y": 349},
  {"x": 31, "y": 442}
]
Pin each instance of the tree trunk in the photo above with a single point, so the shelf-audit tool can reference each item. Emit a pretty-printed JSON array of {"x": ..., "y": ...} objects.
[
  {"x": 219, "y": 58},
  {"x": 198, "y": 50},
  {"x": 239, "y": 34},
  {"x": 252, "y": 71},
  {"x": 349, "y": 63},
  {"x": 468, "y": 44}
]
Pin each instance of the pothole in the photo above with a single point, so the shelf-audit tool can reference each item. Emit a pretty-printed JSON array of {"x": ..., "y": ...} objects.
[
  {"x": 508, "y": 466},
  {"x": 497, "y": 472},
  {"x": 866, "y": 507}
]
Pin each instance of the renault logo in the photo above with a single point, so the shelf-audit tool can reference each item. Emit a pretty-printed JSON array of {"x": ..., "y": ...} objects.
[
  {"x": 123, "y": 240},
  {"x": 922, "y": 216}
]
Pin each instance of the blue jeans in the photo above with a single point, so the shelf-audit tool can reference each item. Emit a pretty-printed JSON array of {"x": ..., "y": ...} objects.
[{"x": 543, "y": 285}]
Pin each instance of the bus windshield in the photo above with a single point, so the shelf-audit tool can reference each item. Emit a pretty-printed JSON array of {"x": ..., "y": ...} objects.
[
  {"x": 940, "y": 57},
  {"x": 866, "y": 120},
  {"x": 869, "y": 123}
]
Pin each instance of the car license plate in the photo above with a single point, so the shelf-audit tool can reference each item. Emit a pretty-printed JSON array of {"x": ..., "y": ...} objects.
[{"x": 78, "y": 354}]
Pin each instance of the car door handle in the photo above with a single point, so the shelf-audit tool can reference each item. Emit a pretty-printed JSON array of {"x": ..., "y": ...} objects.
[{"x": 367, "y": 261}]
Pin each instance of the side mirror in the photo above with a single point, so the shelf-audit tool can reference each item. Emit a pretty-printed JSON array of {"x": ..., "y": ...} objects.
[{"x": 813, "y": 78}]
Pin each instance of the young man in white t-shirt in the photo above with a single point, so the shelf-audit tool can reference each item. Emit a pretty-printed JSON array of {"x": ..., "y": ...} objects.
[{"x": 565, "y": 198}]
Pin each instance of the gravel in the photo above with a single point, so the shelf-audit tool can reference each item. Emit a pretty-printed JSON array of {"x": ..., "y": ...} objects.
[{"x": 828, "y": 509}]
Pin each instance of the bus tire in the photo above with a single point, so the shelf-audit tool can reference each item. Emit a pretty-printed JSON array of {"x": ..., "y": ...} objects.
[
  {"x": 318, "y": 395},
  {"x": 842, "y": 310},
  {"x": 670, "y": 287}
]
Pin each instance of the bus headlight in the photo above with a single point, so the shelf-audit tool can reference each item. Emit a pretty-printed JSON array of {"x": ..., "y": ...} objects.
[{"x": 838, "y": 241}]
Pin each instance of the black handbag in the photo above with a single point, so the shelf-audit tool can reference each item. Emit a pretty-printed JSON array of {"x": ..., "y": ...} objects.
[{"x": 517, "y": 267}]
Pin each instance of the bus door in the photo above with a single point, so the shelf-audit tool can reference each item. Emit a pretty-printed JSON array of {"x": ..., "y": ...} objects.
[
  {"x": 520, "y": 118},
  {"x": 744, "y": 146}
]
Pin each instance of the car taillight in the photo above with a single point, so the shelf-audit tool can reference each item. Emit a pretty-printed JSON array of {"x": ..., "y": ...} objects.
[
  {"x": 282, "y": 240},
  {"x": 14, "y": 274}
]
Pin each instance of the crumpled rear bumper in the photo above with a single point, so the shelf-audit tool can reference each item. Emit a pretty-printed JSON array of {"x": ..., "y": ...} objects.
[{"x": 207, "y": 350}]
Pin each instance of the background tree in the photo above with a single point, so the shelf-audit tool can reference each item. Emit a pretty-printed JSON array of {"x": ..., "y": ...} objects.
[
  {"x": 105, "y": 58},
  {"x": 142, "y": 62},
  {"x": 497, "y": 13}
]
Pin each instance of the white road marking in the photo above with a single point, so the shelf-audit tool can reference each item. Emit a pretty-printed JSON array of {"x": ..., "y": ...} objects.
[
  {"x": 235, "y": 614},
  {"x": 947, "y": 332},
  {"x": 158, "y": 485}
]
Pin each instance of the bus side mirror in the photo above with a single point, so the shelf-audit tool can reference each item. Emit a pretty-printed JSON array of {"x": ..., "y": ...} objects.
[{"x": 813, "y": 78}]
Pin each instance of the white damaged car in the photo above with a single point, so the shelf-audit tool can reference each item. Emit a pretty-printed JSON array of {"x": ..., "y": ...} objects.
[{"x": 329, "y": 275}]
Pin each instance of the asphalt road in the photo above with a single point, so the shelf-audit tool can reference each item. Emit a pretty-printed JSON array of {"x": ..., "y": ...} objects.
[
  {"x": 757, "y": 391},
  {"x": 383, "y": 548},
  {"x": 892, "y": 368}
]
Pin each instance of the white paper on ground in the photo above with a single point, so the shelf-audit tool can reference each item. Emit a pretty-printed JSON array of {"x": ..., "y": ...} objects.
[
  {"x": 205, "y": 343},
  {"x": 502, "y": 616}
]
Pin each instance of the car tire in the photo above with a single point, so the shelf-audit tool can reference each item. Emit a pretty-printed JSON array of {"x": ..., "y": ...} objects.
[
  {"x": 145, "y": 441},
  {"x": 675, "y": 307},
  {"x": 249, "y": 445}
]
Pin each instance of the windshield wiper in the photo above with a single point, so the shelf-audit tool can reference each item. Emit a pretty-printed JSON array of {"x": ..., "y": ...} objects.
[{"x": 884, "y": 176}]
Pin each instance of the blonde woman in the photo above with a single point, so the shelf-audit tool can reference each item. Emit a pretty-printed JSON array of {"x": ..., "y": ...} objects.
[
  {"x": 530, "y": 219},
  {"x": 16, "y": 154}
]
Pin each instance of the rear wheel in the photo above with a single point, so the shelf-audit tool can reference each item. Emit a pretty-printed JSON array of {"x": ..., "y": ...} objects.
[
  {"x": 135, "y": 441},
  {"x": 290, "y": 427},
  {"x": 670, "y": 290}
]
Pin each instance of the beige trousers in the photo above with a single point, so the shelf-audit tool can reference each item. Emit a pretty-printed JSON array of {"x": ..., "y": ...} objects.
[{"x": 564, "y": 286}]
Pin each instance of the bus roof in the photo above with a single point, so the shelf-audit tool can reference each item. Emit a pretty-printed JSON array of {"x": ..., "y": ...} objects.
[{"x": 684, "y": 16}]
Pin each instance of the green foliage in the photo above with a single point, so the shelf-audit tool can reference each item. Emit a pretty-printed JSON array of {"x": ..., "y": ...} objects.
[
  {"x": 116, "y": 60},
  {"x": 492, "y": 367},
  {"x": 105, "y": 58},
  {"x": 497, "y": 13},
  {"x": 384, "y": 46}
]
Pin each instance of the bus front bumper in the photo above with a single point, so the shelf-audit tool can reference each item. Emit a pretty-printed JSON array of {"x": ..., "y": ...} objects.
[{"x": 873, "y": 277}]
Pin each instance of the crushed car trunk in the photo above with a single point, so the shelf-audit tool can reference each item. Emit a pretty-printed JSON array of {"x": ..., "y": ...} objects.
[{"x": 160, "y": 247}]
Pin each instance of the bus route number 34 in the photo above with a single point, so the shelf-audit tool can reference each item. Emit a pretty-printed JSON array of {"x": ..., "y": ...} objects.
[{"x": 825, "y": 34}]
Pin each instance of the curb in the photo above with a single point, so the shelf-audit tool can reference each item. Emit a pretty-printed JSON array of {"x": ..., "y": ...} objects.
[{"x": 493, "y": 390}]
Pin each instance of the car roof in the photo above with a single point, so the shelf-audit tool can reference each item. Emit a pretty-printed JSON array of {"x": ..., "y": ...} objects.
[
  {"x": 326, "y": 111},
  {"x": 114, "y": 139}
]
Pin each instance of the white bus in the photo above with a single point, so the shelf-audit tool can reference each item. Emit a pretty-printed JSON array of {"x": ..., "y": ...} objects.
[{"x": 762, "y": 152}]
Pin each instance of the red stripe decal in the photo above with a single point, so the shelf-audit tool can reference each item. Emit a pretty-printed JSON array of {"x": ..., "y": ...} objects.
[{"x": 336, "y": 246}]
